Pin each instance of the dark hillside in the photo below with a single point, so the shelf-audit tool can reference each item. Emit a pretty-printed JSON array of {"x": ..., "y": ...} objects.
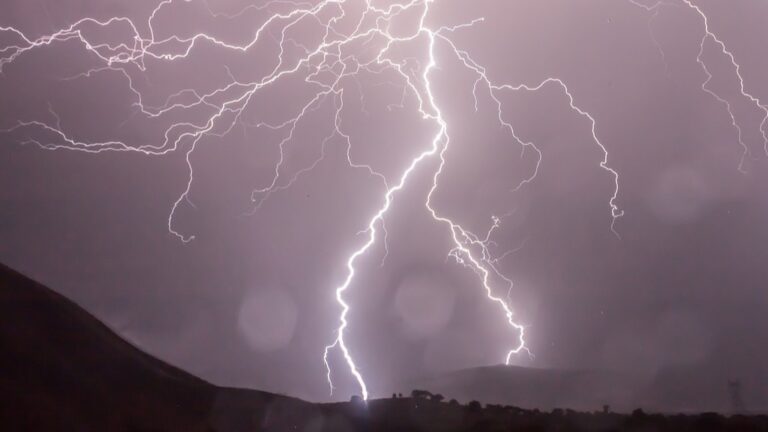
[{"x": 62, "y": 369}]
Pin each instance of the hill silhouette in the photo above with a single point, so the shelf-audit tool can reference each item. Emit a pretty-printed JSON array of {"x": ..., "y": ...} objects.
[{"x": 62, "y": 369}]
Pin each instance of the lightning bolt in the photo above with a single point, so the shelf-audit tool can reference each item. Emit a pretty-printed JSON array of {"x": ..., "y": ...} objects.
[
  {"x": 328, "y": 65},
  {"x": 464, "y": 240}
]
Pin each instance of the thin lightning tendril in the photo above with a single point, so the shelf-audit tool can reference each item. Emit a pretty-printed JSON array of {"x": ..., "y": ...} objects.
[
  {"x": 710, "y": 35},
  {"x": 333, "y": 57}
]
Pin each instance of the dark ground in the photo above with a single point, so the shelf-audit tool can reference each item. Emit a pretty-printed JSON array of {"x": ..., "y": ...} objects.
[{"x": 63, "y": 370}]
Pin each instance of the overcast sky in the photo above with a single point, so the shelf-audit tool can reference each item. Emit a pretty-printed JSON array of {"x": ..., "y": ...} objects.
[{"x": 250, "y": 300}]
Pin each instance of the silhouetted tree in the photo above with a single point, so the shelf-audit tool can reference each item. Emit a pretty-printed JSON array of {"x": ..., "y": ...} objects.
[
  {"x": 475, "y": 406},
  {"x": 420, "y": 394},
  {"x": 437, "y": 397}
]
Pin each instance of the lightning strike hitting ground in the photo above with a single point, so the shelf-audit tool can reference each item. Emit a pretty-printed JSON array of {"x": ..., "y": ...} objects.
[{"x": 331, "y": 56}]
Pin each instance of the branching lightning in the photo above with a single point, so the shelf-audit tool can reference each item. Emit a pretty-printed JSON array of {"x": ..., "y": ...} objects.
[
  {"x": 710, "y": 36},
  {"x": 329, "y": 65}
]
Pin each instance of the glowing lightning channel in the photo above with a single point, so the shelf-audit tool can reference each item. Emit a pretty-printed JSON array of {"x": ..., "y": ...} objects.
[{"x": 379, "y": 216}]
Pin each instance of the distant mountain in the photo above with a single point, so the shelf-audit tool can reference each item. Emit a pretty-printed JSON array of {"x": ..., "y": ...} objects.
[
  {"x": 678, "y": 389},
  {"x": 61, "y": 369}
]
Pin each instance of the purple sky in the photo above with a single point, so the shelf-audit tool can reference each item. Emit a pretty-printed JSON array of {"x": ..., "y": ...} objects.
[{"x": 250, "y": 301}]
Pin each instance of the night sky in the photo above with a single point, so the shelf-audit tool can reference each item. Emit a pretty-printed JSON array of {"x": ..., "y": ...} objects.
[{"x": 250, "y": 302}]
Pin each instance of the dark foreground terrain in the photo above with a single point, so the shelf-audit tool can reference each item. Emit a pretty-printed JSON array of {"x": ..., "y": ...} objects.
[
  {"x": 686, "y": 388},
  {"x": 63, "y": 370}
]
